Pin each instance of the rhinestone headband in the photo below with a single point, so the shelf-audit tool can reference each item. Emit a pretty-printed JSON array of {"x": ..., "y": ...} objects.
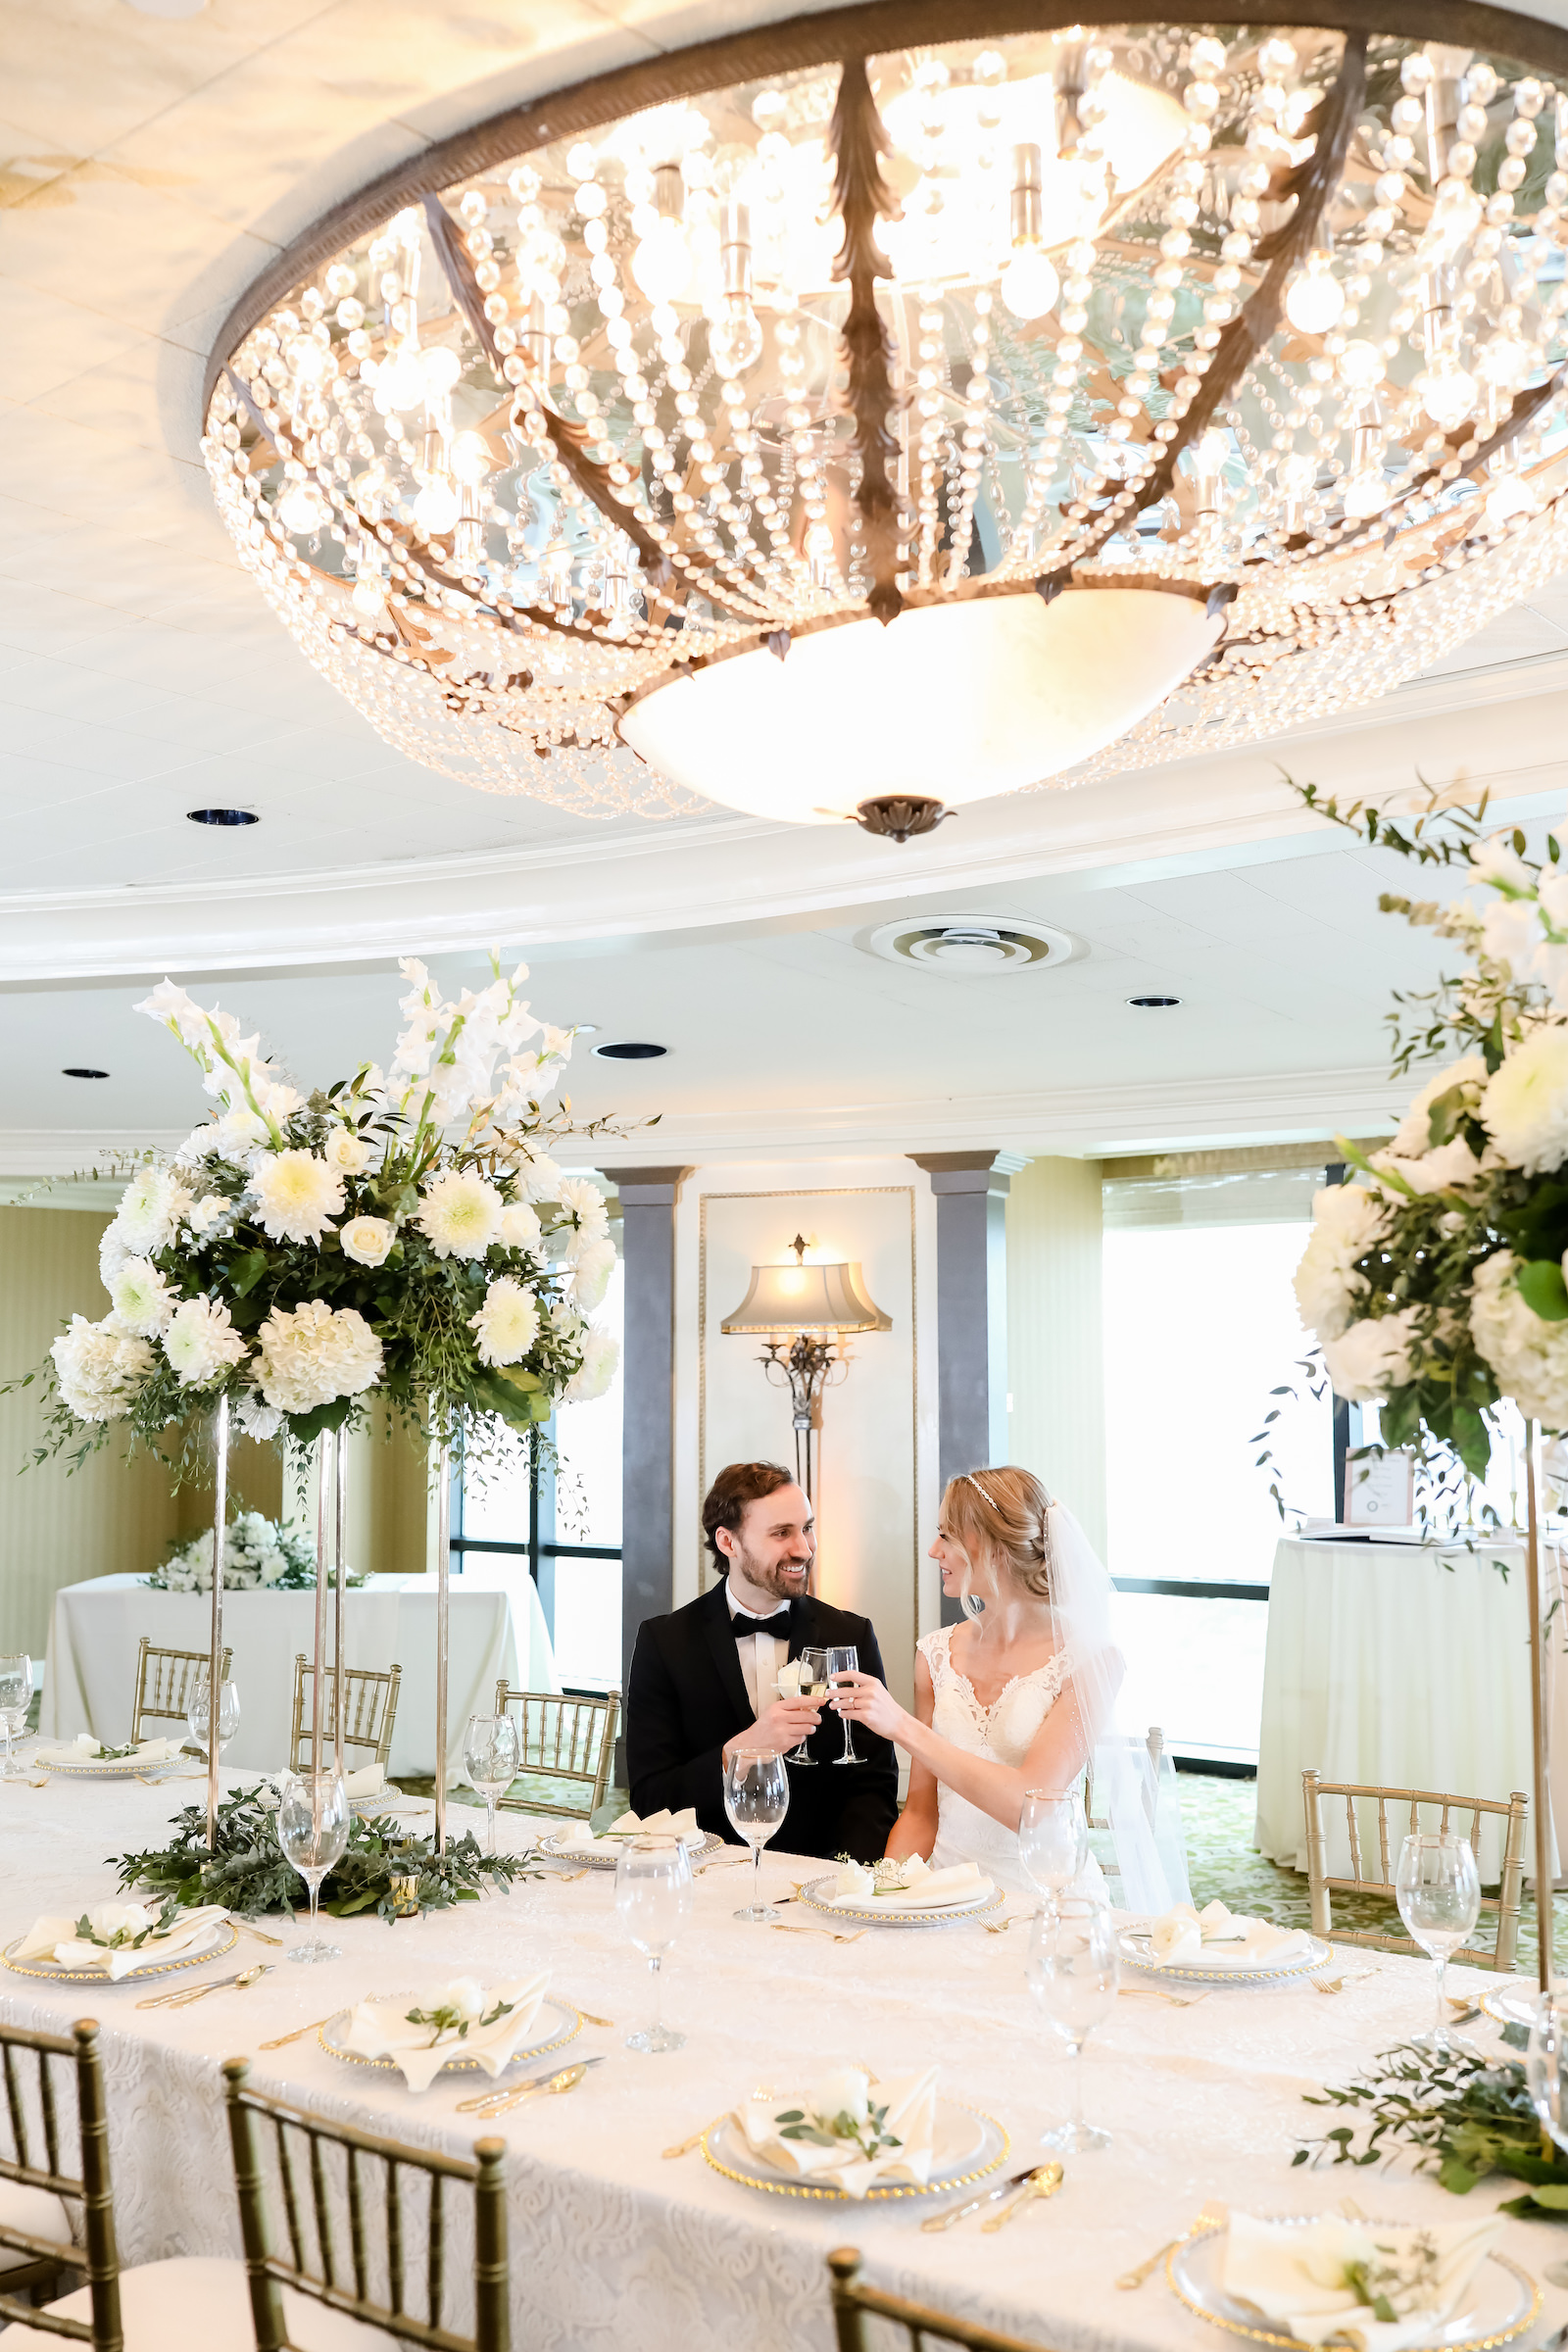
[{"x": 973, "y": 1480}]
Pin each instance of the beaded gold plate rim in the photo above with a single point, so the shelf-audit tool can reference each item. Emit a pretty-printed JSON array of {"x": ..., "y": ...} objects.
[
  {"x": 451, "y": 2066},
  {"x": 900, "y": 1919},
  {"x": 556, "y": 1853},
  {"x": 118, "y": 1768},
  {"x": 135, "y": 1976},
  {"x": 1493, "y": 2002},
  {"x": 875, "y": 2196},
  {"x": 1316, "y": 1958},
  {"x": 1293, "y": 2343}
]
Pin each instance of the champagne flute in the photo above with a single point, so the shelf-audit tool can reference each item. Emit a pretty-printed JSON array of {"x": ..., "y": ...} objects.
[
  {"x": 757, "y": 1798},
  {"x": 1072, "y": 1974},
  {"x": 1052, "y": 1840},
  {"x": 490, "y": 1760},
  {"x": 313, "y": 1829},
  {"x": 198, "y": 1711},
  {"x": 845, "y": 1661},
  {"x": 1439, "y": 1892},
  {"x": 812, "y": 1664},
  {"x": 653, "y": 1901},
  {"x": 15, "y": 1697}
]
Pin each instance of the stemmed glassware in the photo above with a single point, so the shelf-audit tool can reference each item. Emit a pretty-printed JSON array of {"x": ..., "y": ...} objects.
[
  {"x": 15, "y": 1697},
  {"x": 1439, "y": 1890},
  {"x": 490, "y": 1760},
  {"x": 812, "y": 1664},
  {"x": 313, "y": 1829},
  {"x": 1072, "y": 1973},
  {"x": 757, "y": 1798},
  {"x": 1052, "y": 1840},
  {"x": 1546, "y": 2073},
  {"x": 845, "y": 1661},
  {"x": 198, "y": 1711},
  {"x": 653, "y": 1901}
]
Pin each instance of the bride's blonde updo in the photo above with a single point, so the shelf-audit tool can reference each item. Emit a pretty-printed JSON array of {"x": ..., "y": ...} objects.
[{"x": 1004, "y": 1511}]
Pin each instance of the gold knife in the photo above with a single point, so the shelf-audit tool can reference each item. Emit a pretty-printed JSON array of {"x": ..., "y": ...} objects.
[
  {"x": 1044, "y": 2181},
  {"x": 959, "y": 2213}
]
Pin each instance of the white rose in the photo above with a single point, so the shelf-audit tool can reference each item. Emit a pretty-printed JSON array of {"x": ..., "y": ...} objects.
[
  {"x": 844, "y": 2092},
  {"x": 464, "y": 1994},
  {"x": 120, "y": 1919},
  {"x": 1373, "y": 1356},
  {"x": 1525, "y": 1105},
  {"x": 519, "y": 1227},
  {"x": 346, "y": 1151},
  {"x": 367, "y": 1240}
]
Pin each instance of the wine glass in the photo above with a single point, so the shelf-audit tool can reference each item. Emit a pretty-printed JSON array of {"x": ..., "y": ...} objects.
[
  {"x": 1547, "y": 2075},
  {"x": 1052, "y": 1839},
  {"x": 490, "y": 1760},
  {"x": 313, "y": 1829},
  {"x": 757, "y": 1798},
  {"x": 812, "y": 1664},
  {"x": 652, "y": 1900},
  {"x": 1072, "y": 1974},
  {"x": 845, "y": 1661},
  {"x": 15, "y": 1697},
  {"x": 198, "y": 1711},
  {"x": 1439, "y": 1890}
]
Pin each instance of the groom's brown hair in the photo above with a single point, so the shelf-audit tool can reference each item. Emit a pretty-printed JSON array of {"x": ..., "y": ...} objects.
[{"x": 737, "y": 1484}]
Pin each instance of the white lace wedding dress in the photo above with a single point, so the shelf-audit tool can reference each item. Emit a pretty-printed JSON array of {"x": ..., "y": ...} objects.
[{"x": 1004, "y": 1733}]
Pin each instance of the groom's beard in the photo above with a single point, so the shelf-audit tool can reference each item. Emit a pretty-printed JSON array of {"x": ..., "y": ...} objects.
[{"x": 775, "y": 1577}]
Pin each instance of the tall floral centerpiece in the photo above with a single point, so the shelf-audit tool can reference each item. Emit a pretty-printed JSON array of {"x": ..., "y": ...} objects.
[
  {"x": 404, "y": 1237},
  {"x": 1437, "y": 1285}
]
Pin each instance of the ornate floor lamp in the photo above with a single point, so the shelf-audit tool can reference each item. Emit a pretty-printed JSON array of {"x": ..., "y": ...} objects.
[{"x": 801, "y": 1313}]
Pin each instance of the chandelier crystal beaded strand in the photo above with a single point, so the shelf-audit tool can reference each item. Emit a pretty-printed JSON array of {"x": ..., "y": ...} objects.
[{"x": 890, "y": 432}]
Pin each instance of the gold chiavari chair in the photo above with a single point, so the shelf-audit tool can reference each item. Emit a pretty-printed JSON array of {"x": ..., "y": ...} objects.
[
  {"x": 1506, "y": 1903},
  {"x": 852, "y": 2301},
  {"x": 566, "y": 1740},
  {"x": 369, "y": 1710},
  {"x": 314, "y": 2265},
  {"x": 164, "y": 1679}
]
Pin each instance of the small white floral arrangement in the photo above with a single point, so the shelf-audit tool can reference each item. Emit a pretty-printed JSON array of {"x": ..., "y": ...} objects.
[
  {"x": 838, "y": 2112},
  {"x": 258, "y": 1554},
  {"x": 456, "y": 2009}
]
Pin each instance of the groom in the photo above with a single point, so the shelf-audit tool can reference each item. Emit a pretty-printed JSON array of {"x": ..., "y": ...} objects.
[{"x": 705, "y": 1680}]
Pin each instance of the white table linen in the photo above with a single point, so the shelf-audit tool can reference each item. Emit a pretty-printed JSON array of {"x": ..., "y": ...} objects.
[
  {"x": 1398, "y": 1667},
  {"x": 90, "y": 1669},
  {"x": 613, "y": 2245}
]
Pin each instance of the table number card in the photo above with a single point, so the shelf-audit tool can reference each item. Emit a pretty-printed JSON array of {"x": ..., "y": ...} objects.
[{"x": 1380, "y": 1489}]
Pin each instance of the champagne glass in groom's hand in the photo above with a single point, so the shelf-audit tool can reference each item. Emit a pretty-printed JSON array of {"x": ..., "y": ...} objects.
[{"x": 845, "y": 1661}]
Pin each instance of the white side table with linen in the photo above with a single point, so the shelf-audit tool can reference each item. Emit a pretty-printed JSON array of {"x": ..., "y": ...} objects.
[
  {"x": 95, "y": 1627},
  {"x": 1399, "y": 1667}
]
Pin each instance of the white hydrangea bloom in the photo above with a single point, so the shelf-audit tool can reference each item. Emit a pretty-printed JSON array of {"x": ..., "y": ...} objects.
[
  {"x": 1347, "y": 1220},
  {"x": 1413, "y": 1135},
  {"x": 1529, "y": 1357},
  {"x": 508, "y": 1323},
  {"x": 99, "y": 1367},
  {"x": 601, "y": 1354},
  {"x": 312, "y": 1354},
  {"x": 1373, "y": 1356},
  {"x": 1525, "y": 1105},
  {"x": 590, "y": 1278},
  {"x": 201, "y": 1341},
  {"x": 143, "y": 1299},
  {"x": 460, "y": 1214},
  {"x": 296, "y": 1196}
]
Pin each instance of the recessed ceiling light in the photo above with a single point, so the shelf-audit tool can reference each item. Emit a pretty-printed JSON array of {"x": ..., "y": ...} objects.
[
  {"x": 222, "y": 817},
  {"x": 630, "y": 1053},
  {"x": 84, "y": 1073},
  {"x": 1152, "y": 1004}
]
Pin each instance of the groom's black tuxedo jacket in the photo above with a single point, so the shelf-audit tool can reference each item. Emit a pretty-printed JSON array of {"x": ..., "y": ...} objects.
[{"x": 686, "y": 1695}]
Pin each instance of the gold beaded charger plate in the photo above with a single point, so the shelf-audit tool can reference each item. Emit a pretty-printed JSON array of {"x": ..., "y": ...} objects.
[
  {"x": 224, "y": 1936},
  {"x": 113, "y": 1768},
  {"x": 1134, "y": 1946},
  {"x": 966, "y": 2145},
  {"x": 1503, "y": 2299},
  {"x": 1511, "y": 2003},
  {"x": 556, "y": 1852},
  {"x": 813, "y": 1895},
  {"x": 558, "y": 2023}
]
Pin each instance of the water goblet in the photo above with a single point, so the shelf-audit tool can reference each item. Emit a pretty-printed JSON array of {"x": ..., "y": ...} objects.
[
  {"x": 491, "y": 1761},
  {"x": 15, "y": 1697},
  {"x": 757, "y": 1798},
  {"x": 1547, "y": 2075},
  {"x": 812, "y": 1664},
  {"x": 313, "y": 1829},
  {"x": 845, "y": 1661},
  {"x": 1052, "y": 1840},
  {"x": 1072, "y": 1973},
  {"x": 653, "y": 1901},
  {"x": 1439, "y": 1892},
  {"x": 198, "y": 1711}
]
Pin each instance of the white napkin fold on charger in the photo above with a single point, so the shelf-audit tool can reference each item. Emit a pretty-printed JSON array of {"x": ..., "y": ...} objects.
[
  {"x": 85, "y": 1749},
  {"x": 663, "y": 1823},
  {"x": 369, "y": 1781},
  {"x": 911, "y": 2101},
  {"x": 1294, "y": 2272},
  {"x": 923, "y": 1889},
  {"x": 380, "y": 2028},
  {"x": 1214, "y": 1937},
  {"x": 56, "y": 1939}
]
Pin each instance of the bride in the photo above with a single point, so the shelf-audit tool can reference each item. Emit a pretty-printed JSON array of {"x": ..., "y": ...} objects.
[{"x": 1021, "y": 1696}]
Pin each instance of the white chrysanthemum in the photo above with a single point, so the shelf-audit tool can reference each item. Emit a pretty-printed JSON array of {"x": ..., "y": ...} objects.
[
  {"x": 1373, "y": 1356},
  {"x": 576, "y": 1194},
  {"x": 1413, "y": 1135},
  {"x": 519, "y": 1227},
  {"x": 314, "y": 1354},
  {"x": 297, "y": 1195},
  {"x": 1347, "y": 1220},
  {"x": 201, "y": 1341},
  {"x": 257, "y": 1420},
  {"x": 539, "y": 1176},
  {"x": 367, "y": 1240},
  {"x": 347, "y": 1152},
  {"x": 150, "y": 1207},
  {"x": 508, "y": 1323},
  {"x": 460, "y": 1214},
  {"x": 1435, "y": 1173},
  {"x": 1529, "y": 1357},
  {"x": 143, "y": 1299},
  {"x": 99, "y": 1367},
  {"x": 567, "y": 1327},
  {"x": 590, "y": 1277},
  {"x": 1525, "y": 1105},
  {"x": 600, "y": 1357}
]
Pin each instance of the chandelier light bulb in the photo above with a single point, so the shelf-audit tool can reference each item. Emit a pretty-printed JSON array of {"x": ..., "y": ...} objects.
[
  {"x": 400, "y": 385},
  {"x": 1366, "y": 493},
  {"x": 1509, "y": 498},
  {"x": 368, "y": 597},
  {"x": 301, "y": 509},
  {"x": 735, "y": 341},
  {"x": 1503, "y": 361},
  {"x": 441, "y": 367},
  {"x": 1362, "y": 365},
  {"x": 471, "y": 459},
  {"x": 663, "y": 263},
  {"x": 1029, "y": 283},
  {"x": 1446, "y": 393},
  {"x": 1316, "y": 301},
  {"x": 436, "y": 507}
]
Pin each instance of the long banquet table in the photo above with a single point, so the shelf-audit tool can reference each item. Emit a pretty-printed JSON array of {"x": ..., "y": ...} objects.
[{"x": 611, "y": 2245}]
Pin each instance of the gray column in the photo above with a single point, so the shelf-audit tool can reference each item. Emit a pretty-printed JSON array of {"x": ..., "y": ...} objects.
[
  {"x": 971, "y": 1194},
  {"x": 648, "y": 1198}
]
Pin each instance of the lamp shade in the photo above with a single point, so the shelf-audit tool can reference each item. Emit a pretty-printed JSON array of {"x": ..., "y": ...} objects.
[{"x": 797, "y": 1298}]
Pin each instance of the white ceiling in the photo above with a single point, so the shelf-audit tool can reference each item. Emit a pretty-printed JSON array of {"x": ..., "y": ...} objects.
[{"x": 149, "y": 168}]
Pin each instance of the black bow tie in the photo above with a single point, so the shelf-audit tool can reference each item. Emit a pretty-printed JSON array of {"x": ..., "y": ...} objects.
[{"x": 744, "y": 1627}]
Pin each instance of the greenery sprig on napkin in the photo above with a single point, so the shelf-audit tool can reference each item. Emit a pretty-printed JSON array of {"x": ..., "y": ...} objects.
[
  {"x": 247, "y": 1873},
  {"x": 126, "y": 1939},
  {"x": 1468, "y": 2117},
  {"x": 458, "y": 2012},
  {"x": 865, "y": 2132}
]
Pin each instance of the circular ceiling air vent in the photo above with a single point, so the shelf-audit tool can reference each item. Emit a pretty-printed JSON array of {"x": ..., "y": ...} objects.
[{"x": 968, "y": 946}]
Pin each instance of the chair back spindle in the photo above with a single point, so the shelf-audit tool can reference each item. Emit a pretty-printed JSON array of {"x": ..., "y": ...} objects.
[
  {"x": 853, "y": 2299},
  {"x": 1355, "y": 1794},
  {"x": 164, "y": 1679},
  {"x": 571, "y": 1740},
  {"x": 370, "y": 1711},
  {"x": 94, "y": 2250}
]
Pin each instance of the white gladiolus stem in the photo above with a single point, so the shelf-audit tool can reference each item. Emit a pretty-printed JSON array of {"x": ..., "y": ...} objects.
[
  {"x": 215, "y": 1652},
  {"x": 442, "y": 1606}
]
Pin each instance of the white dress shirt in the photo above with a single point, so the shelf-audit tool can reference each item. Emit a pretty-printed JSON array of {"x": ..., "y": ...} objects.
[{"x": 761, "y": 1655}]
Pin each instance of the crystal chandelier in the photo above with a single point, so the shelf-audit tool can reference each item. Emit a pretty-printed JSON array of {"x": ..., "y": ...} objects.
[{"x": 857, "y": 436}]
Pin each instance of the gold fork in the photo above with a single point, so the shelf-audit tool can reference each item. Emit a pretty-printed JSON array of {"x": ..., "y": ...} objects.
[
  {"x": 1147, "y": 1992},
  {"x": 1212, "y": 2216},
  {"x": 786, "y": 1926},
  {"x": 1043, "y": 2182},
  {"x": 298, "y": 2033},
  {"x": 567, "y": 2080},
  {"x": 589, "y": 2019},
  {"x": 246, "y": 1928}
]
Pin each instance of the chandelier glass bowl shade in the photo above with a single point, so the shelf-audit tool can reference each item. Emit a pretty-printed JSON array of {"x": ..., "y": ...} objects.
[{"x": 825, "y": 429}]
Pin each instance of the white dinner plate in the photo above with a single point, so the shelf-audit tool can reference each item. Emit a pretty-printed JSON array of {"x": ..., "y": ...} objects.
[
  {"x": 1134, "y": 1946},
  {"x": 221, "y": 1937},
  {"x": 814, "y": 1891},
  {"x": 1503, "y": 2298},
  {"x": 967, "y": 2144},
  {"x": 708, "y": 1845},
  {"x": 556, "y": 2023},
  {"x": 114, "y": 1768}
]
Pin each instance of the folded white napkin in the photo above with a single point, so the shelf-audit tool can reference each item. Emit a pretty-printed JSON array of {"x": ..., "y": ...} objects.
[
  {"x": 1215, "y": 1938},
  {"x": 663, "y": 1823},
  {"x": 85, "y": 1749},
  {"x": 56, "y": 1939},
  {"x": 1297, "y": 2275},
  {"x": 906, "y": 2105},
  {"x": 922, "y": 1889},
  {"x": 382, "y": 2029}
]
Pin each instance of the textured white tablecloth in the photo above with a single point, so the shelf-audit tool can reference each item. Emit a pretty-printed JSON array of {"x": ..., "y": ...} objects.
[
  {"x": 90, "y": 1670},
  {"x": 613, "y": 2249},
  {"x": 1404, "y": 1668}
]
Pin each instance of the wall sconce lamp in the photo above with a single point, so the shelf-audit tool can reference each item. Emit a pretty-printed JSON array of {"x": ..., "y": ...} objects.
[{"x": 801, "y": 1313}]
